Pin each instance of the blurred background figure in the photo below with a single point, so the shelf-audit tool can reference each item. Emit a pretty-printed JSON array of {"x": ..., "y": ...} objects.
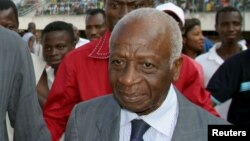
[
  {"x": 193, "y": 39},
  {"x": 174, "y": 11},
  {"x": 37, "y": 47},
  {"x": 30, "y": 39},
  {"x": 32, "y": 28},
  {"x": 95, "y": 24},
  {"x": 79, "y": 41}
]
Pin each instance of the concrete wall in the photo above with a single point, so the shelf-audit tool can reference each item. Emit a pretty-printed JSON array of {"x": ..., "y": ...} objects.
[
  {"x": 207, "y": 20},
  {"x": 42, "y": 21}
]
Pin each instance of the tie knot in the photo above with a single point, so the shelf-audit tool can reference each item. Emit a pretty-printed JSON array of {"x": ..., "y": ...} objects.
[{"x": 139, "y": 127}]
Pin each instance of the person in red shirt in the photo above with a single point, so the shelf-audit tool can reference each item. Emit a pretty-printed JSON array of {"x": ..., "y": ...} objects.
[{"x": 83, "y": 74}]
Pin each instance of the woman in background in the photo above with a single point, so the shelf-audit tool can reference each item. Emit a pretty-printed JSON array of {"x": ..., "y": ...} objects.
[{"x": 193, "y": 39}]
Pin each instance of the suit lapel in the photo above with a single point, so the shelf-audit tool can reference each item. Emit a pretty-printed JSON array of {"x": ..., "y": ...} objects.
[
  {"x": 187, "y": 128},
  {"x": 109, "y": 124}
]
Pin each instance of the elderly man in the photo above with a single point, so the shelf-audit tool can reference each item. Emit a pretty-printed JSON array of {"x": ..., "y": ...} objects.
[
  {"x": 83, "y": 73},
  {"x": 145, "y": 58}
]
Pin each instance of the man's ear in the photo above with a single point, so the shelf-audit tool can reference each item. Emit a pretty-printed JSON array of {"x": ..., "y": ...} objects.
[{"x": 177, "y": 68}]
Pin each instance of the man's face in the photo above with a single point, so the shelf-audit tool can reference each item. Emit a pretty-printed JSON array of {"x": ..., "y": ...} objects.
[
  {"x": 95, "y": 26},
  {"x": 229, "y": 26},
  {"x": 8, "y": 19},
  {"x": 139, "y": 68},
  {"x": 55, "y": 45},
  {"x": 116, "y": 9}
]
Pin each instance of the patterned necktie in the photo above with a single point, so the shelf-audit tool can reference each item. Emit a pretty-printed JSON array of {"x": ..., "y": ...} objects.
[{"x": 139, "y": 127}]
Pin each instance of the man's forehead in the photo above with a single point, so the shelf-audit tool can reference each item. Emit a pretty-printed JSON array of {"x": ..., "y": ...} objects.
[{"x": 229, "y": 16}]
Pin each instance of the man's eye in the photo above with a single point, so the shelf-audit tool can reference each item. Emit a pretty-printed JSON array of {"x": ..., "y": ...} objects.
[
  {"x": 61, "y": 47},
  {"x": 117, "y": 62},
  {"x": 148, "y": 65}
]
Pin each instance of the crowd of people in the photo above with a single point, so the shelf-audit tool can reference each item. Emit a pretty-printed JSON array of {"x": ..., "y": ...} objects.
[
  {"x": 79, "y": 7},
  {"x": 142, "y": 67}
]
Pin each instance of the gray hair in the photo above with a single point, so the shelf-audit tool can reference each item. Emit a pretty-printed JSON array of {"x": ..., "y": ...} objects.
[{"x": 155, "y": 18}]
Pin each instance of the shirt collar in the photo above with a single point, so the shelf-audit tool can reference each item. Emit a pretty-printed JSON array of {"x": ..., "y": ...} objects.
[
  {"x": 101, "y": 49},
  {"x": 212, "y": 54},
  {"x": 167, "y": 113}
]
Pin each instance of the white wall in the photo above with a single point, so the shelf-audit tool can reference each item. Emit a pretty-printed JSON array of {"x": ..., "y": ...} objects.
[{"x": 42, "y": 21}]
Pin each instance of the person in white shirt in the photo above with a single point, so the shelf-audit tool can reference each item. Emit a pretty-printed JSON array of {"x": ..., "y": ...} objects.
[
  {"x": 228, "y": 24},
  {"x": 145, "y": 58}
]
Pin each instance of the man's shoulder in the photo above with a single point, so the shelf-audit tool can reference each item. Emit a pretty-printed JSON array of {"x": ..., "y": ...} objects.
[
  {"x": 193, "y": 113},
  {"x": 102, "y": 101},
  {"x": 7, "y": 37},
  {"x": 98, "y": 106},
  {"x": 242, "y": 56}
]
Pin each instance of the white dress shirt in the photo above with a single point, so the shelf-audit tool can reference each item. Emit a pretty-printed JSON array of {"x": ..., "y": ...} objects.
[{"x": 162, "y": 120}]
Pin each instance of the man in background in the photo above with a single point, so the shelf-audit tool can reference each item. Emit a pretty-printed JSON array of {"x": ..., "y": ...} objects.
[{"x": 95, "y": 24}]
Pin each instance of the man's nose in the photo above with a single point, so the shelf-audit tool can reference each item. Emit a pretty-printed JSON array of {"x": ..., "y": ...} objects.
[{"x": 129, "y": 76}]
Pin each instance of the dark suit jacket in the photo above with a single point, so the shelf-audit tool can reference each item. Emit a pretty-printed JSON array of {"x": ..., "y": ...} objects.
[
  {"x": 99, "y": 120},
  {"x": 18, "y": 91}
]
